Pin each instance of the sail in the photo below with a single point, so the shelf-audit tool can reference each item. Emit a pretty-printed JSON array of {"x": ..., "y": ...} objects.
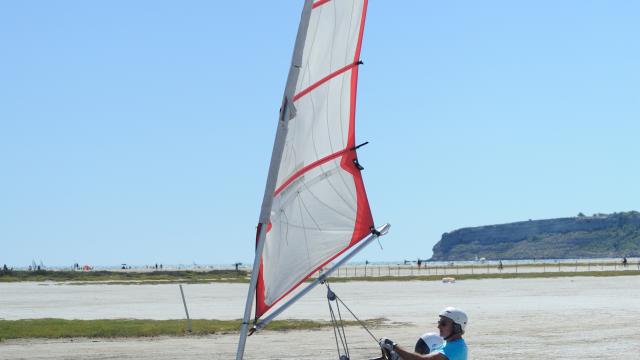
[{"x": 319, "y": 207}]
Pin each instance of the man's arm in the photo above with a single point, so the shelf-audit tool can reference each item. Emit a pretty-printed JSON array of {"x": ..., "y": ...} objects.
[{"x": 409, "y": 355}]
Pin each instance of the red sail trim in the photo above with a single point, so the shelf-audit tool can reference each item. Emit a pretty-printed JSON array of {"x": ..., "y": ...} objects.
[
  {"x": 364, "y": 218},
  {"x": 356, "y": 58},
  {"x": 319, "y": 3},
  {"x": 324, "y": 80},
  {"x": 260, "y": 305},
  {"x": 305, "y": 169}
]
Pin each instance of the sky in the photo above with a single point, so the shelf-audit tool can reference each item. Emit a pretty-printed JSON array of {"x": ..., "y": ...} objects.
[{"x": 141, "y": 132}]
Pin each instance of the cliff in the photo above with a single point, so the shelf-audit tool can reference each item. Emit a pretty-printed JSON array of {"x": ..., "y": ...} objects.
[{"x": 601, "y": 235}]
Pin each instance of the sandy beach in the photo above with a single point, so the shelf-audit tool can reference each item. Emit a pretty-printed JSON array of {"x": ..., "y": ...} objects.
[{"x": 563, "y": 318}]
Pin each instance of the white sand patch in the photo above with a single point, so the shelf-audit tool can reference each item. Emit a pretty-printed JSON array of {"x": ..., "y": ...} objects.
[{"x": 562, "y": 318}]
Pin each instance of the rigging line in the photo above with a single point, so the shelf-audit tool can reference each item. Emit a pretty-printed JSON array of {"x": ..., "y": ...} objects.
[
  {"x": 360, "y": 321},
  {"x": 342, "y": 326},
  {"x": 333, "y": 319},
  {"x": 343, "y": 338},
  {"x": 334, "y": 322}
]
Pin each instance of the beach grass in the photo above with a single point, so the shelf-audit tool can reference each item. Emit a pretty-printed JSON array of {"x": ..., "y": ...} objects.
[
  {"x": 489, "y": 276},
  {"x": 125, "y": 277},
  {"x": 127, "y": 328},
  {"x": 232, "y": 276}
]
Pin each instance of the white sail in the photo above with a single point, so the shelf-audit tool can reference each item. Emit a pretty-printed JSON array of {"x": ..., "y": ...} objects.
[{"x": 319, "y": 208}]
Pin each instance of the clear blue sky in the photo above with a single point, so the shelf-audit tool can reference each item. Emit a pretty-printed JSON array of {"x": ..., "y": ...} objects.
[{"x": 141, "y": 132}]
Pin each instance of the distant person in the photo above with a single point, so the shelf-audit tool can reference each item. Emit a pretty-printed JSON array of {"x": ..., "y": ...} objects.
[
  {"x": 451, "y": 325},
  {"x": 624, "y": 261},
  {"x": 500, "y": 266},
  {"x": 419, "y": 263}
]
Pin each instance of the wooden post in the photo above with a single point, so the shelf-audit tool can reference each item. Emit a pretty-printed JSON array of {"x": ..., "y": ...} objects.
[{"x": 185, "y": 310}]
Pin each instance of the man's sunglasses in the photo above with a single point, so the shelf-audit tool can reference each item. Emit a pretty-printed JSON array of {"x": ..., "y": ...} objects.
[{"x": 442, "y": 323}]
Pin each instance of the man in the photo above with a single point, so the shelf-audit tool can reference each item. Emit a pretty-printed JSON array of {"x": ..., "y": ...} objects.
[{"x": 451, "y": 325}]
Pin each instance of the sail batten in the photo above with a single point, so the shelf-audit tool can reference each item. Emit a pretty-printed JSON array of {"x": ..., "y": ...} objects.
[{"x": 324, "y": 80}]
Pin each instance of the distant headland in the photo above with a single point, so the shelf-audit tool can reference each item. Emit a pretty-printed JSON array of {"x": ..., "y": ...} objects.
[{"x": 596, "y": 236}]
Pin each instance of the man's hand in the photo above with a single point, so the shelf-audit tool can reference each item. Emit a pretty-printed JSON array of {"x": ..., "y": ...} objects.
[
  {"x": 393, "y": 355},
  {"x": 386, "y": 344}
]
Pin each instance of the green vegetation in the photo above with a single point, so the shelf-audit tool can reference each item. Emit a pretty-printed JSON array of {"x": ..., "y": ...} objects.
[
  {"x": 132, "y": 278},
  {"x": 59, "y": 328},
  {"x": 491, "y": 276},
  {"x": 123, "y": 277}
]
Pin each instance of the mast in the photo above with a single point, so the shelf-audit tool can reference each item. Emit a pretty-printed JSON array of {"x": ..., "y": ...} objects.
[{"x": 286, "y": 112}]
